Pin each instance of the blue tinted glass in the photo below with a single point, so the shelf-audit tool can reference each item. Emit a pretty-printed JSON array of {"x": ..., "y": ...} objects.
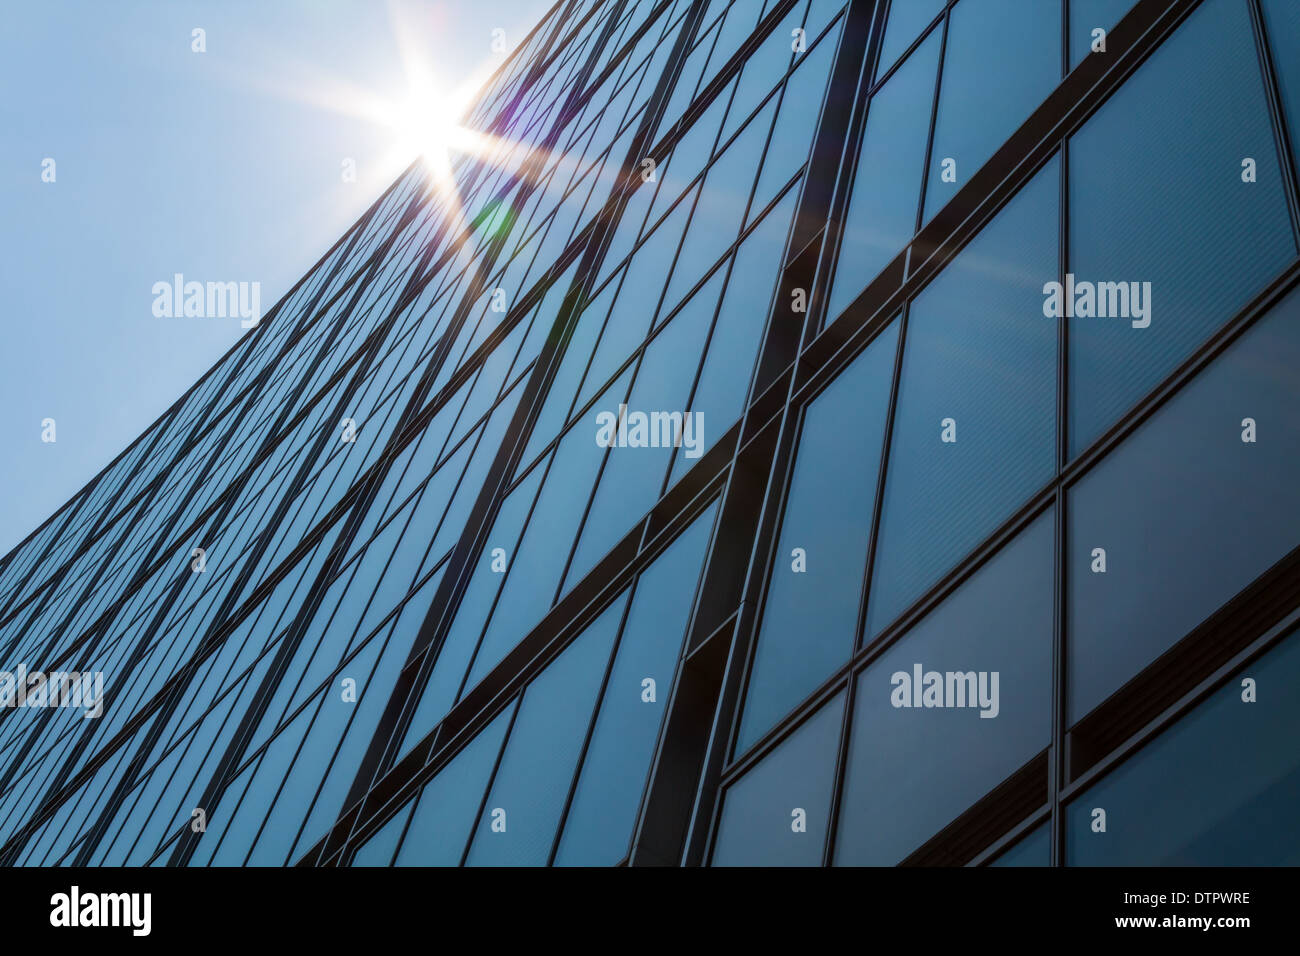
[
  {"x": 360, "y": 730},
  {"x": 777, "y": 814},
  {"x": 454, "y": 656},
  {"x": 733, "y": 346},
  {"x": 881, "y": 217},
  {"x": 1198, "y": 239},
  {"x": 1033, "y": 850},
  {"x": 638, "y": 300},
  {"x": 268, "y": 775},
  {"x": 1282, "y": 21},
  {"x": 538, "y": 764},
  {"x": 765, "y": 68},
  {"x": 379, "y": 849},
  {"x": 449, "y": 802},
  {"x": 687, "y": 80},
  {"x": 922, "y": 751},
  {"x": 1219, "y": 788},
  {"x": 577, "y": 355},
  {"x": 689, "y": 156},
  {"x": 739, "y": 23},
  {"x": 1001, "y": 59},
  {"x": 633, "y": 475},
  {"x": 627, "y": 231},
  {"x": 810, "y": 616},
  {"x": 600, "y": 821},
  {"x": 1177, "y": 546},
  {"x": 975, "y": 426},
  {"x": 792, "y": 137},
  {"x": 819, "y": 14},
  {"x": 627, "y": 326},
  {"x": 721, "y": 208},
  {"x": 534, "y": 570},
  {"x": 544, "y": 318},
  {"x": 907, "y": 18},
  {"x": 1089, "y": 15},
  {"x": 219, "y": 823}
]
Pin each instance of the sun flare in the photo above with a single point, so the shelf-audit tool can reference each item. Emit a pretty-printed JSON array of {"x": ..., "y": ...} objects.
[
  {"x": 426, "y": 125},
  {"x": 422, "y": 116}
]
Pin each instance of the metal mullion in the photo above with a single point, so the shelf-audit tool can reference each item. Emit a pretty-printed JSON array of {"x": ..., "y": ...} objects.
[
  {"x": 79, "y": 812},
  {"x": 1277, "y": 115},
  {"x": 571, "y": 550},
  {"x": 792, "y": 420},
  {"x": 929, "y": 142},
  {"x": 1182, "y": 707},
  {"x": 839, "y": 771},
  {"x": 1057, "y": 762},
  {"x": 464, "y": 685},
  {"x": 385, "y": 459},
  {"x": 170, "y": 692},
  {"x": 861, "y": 638}
]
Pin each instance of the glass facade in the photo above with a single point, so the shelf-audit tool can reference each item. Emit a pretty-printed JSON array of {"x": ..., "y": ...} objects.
[{"x": 814, "y": 432}]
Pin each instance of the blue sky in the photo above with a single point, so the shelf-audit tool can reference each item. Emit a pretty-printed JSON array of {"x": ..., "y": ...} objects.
[{"x": 223, "y": 166}]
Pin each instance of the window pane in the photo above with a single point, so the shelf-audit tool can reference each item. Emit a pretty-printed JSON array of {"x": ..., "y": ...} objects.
[
  {"x": 542, "y": 753},
  {"x": 533, "y": 571},
  {"x": 450, "y": 801},
  {"x": 792, "y": 137},
  {"x": 1176, "y": 546},
  {"x": 689, "y": 157},
  {"x": 633, "y": 475},
  {"x": 917, "y": 761},
  {"x": 1089, "y": 15},
  {"x": 599, "y": 826},
  {"x": 980, "y": 355},
  {"x": 1001, "y": 59},
  {"x": 684, "y": 88},
  {"x": 819, "y": 14},
  {"x": 1219, "y": 788},
  {"x": 629, "y": 321},
  {"x": 881, "y": 217},
  {"x": 810, "y": 617},
  {"x": 1033, "y": 850},
  {"x": 577, "y": 355},
  {"x": 721, "y": 207},
  {"x": 1203, "y": 239},
  {"x": 378, "y": 850},
  {"x": 907, "y": 18},
  {"x": 765, "y": 68},
  {"x": 462, "y": 639},
  {"x": 761, "y": 822},
  {"x": 733, "y": 346}
]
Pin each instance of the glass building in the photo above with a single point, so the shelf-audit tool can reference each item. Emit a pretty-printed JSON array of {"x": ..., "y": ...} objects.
[{"x": 815, "y": 432}]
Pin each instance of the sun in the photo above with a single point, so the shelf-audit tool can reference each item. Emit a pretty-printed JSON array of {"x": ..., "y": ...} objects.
[
  {"x": 426, "y": 126},
  {"x": 421, "y": 116}
]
